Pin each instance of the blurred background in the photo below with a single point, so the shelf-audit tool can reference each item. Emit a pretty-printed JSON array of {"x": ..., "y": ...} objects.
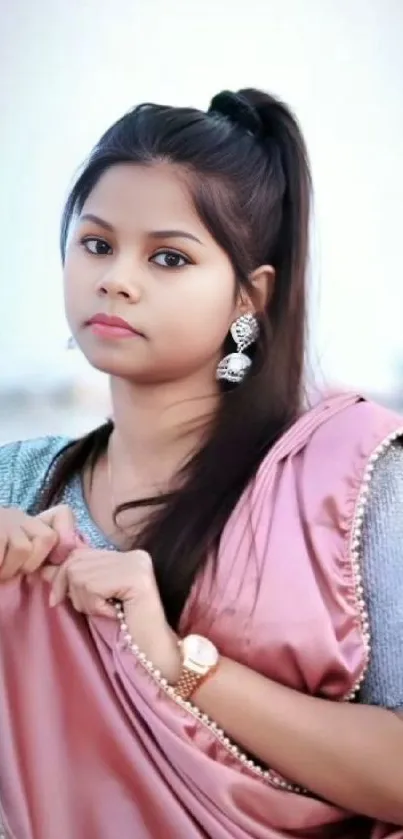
[{"x": 69, "y": 69}]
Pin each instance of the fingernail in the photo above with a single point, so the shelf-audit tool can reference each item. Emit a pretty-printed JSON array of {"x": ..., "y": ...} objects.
[{"x": 52, "y": 599}]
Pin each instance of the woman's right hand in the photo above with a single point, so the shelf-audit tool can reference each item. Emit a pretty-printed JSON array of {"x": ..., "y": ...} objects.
[{"x": 26, "y": 541}]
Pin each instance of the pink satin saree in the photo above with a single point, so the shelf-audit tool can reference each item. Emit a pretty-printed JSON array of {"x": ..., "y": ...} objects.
[{"x": 93, "y": 746}]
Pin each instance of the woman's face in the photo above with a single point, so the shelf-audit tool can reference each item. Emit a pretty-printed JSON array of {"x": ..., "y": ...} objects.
[{"x": 140, "y": 252}]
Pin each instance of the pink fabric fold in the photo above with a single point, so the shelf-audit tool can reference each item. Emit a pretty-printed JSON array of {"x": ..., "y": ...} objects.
[{"x": 92, "y": 747}]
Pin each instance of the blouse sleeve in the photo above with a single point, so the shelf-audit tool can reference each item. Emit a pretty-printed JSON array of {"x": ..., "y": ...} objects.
[
  {"x": 383, "y": 582},
  {"x": 23, "y": 466},
  {"x": 8, "y": 458}
]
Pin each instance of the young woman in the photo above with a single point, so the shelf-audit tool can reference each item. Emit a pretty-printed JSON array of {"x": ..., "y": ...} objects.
[{"x": 188, "y": 593}]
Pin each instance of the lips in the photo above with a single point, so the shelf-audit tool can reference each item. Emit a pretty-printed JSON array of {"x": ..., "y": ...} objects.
[{"x": 112, "y": 324}]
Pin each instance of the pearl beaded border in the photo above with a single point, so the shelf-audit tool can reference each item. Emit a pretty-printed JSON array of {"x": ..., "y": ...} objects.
[
  {"x": 355, "y": 553},
  {"x": 268, "y": 775}
]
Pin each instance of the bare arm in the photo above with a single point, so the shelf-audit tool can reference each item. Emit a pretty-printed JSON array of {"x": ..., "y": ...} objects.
[{"x": 351, "y": 755}]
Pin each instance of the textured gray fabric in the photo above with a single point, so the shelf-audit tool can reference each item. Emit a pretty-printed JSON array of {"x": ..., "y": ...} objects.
[
  {"x": 383, "y": 581},
  {"x": 24, "y": 465}
]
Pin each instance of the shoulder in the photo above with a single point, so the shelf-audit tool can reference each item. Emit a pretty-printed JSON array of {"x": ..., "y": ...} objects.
[
  {"x": 23, "y": 467},
  {"x": 326, "y": 460},
  {"x": 351, "y": 441},
  {"x": 343, "y": 433},
  {"x": 360, "y": 421},
  {"x": 345, "y": 450}
]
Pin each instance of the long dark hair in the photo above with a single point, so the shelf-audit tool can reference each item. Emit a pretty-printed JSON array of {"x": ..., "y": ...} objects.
[{"x": 248, "y": 170}]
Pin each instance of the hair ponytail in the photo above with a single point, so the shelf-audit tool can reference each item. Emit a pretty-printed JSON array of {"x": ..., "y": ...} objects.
[{"x": 281, "y": 135}]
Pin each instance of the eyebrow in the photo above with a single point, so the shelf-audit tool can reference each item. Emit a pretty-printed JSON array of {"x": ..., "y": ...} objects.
[
  {"x": 97, "y": 220},
  {"x": 173, "y": 234},
  {"x": 154, "y": 234}
]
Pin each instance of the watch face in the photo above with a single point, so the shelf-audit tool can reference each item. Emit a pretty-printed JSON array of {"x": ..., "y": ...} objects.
[{"x": 200, "y": 651}]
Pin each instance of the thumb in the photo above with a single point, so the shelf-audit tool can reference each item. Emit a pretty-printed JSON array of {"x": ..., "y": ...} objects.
[
  {"x": 61, "y": 519},
  {"x": 102, "y": 609},
  {"x": 48, "y": 573}
]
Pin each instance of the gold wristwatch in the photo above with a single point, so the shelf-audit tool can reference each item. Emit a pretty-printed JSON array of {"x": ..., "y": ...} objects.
[{"x": 200, "y": 659}]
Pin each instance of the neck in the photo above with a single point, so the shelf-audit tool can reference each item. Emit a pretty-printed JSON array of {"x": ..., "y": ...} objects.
[{"x": 158, "y": 427}]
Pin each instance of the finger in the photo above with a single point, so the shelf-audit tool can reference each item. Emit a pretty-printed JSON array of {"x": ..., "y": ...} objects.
[
  {"x": 43, "y": 540},
  {"x": 79, "y": 560},
  {"x": 97, "y": 607},
  {"x": 61, "y": 519},
  {"x": 104, "y": 610},
  {"x": 76, "y": 598},
  {"x": 60, "y": 587},
  {"x": 34, "y": 526},
  {"x": 16, "y": 554},
  {"x": 62, "y": 582},
  {"x": 48, "y": 573}
]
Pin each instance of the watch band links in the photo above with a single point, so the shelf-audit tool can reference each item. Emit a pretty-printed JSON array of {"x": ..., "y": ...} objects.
[{"x": 188, "y": 682}]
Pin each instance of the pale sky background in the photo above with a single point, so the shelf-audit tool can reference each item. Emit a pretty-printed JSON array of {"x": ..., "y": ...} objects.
[{"x": 68, "y": 69}]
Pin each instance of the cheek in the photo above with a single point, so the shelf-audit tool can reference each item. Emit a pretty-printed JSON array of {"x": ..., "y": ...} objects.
[
  {"x": 74, "y": 288},
  {"x": 202, "y": 315},
  {"x": 70, "y": 298}
]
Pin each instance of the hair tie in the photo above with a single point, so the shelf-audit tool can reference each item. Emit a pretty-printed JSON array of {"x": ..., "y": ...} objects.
[{"x": 238, "y": 110}]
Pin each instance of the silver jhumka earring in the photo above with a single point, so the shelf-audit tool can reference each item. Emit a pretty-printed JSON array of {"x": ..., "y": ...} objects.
[{"x": 234, "y": 367}]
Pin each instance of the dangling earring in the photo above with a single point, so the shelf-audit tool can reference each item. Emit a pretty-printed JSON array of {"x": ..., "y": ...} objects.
[
  {"x": 234, "y": 367},
  {"x": 71, "y": 343}
]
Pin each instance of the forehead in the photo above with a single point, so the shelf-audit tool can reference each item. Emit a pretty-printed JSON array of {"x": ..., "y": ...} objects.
[{"x": 132, "y": 196}]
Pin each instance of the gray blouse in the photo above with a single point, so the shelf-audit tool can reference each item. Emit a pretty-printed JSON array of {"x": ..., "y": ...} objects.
[
  {"x": 383, "y": 581},
  {"x": 22, "y": 470}
]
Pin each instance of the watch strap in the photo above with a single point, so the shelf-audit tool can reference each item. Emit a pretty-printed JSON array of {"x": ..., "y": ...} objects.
[{"x": 188, "y": 682}]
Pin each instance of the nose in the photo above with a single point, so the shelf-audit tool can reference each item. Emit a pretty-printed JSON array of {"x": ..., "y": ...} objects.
[{"x": 118, "y": 284}]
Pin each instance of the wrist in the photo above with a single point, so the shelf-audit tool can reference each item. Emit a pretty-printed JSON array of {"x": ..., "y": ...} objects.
[
  {"x": 155, "y": 638},
  {"x": 199, "y": 660}
]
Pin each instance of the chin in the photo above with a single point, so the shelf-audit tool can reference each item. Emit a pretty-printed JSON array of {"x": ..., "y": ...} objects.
[
  {"x": 120, "y": 367},
  {"x": 110, "y": 360},
  {"x": 117, "y": 368}
]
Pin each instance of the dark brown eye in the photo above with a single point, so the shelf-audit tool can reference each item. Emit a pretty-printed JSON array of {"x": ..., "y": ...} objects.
[
  {"x": 170, "y": 259},
  {"x": 96, "y": 246}
]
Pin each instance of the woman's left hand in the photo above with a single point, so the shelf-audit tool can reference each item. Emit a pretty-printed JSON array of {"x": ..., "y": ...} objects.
[{"x": 92, "y": 578}]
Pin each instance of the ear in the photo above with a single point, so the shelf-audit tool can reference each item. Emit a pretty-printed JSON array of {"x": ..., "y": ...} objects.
[{"x": 262, "y": 282}]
